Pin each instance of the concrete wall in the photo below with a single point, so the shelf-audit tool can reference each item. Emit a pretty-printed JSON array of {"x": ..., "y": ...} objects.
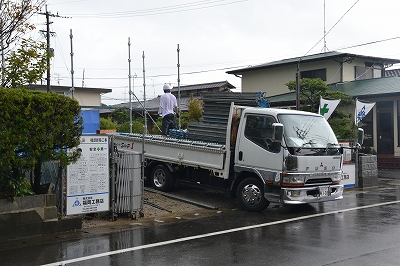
[
  {"x": 33, "y": 215},
  {"x": 367, "y": 171}
]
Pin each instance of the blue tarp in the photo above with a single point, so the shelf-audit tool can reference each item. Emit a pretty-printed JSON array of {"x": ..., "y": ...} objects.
[{"x": 91, "y": 121}]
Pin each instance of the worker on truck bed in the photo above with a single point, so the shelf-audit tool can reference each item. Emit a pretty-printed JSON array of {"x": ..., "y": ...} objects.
[{"x": 167, "y": 107}]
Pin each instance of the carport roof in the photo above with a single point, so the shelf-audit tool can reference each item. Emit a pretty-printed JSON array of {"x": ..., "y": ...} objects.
[{"x": 386, "y": 86}]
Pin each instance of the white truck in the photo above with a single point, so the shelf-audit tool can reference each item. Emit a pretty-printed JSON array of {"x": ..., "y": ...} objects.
[{"x": 270, "y": 155}]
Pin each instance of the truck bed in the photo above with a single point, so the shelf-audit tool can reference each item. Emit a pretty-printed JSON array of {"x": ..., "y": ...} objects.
[{"x": 176, "y": 151}]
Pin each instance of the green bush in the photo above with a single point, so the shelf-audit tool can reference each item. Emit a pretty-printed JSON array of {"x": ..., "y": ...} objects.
[
  {"x": 13, "y": 187},
  {"x": 36, "y": 127},
  {"x": 137, "y": 127},
  {"x": 107, "y": 123}
]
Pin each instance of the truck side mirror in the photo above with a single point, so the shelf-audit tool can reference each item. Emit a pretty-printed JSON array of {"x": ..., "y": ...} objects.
[
  {"x": 277, "y": 129},
  {"x": 360, "y": 136}
]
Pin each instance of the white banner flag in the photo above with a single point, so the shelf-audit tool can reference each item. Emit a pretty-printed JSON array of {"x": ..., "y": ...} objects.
[
  {"x": 362, "y": 109},
  {"x": 326, "y": 107}
]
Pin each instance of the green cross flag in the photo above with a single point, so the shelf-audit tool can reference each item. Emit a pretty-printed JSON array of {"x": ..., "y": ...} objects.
[
  {"x": 326, "y": 107},
  {"x": 324, "y": 110}
]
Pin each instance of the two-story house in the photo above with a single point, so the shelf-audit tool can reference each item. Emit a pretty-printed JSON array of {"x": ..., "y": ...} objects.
[
  {"x": 332, "y": 67},
  {"x": 362, "y": 77}
]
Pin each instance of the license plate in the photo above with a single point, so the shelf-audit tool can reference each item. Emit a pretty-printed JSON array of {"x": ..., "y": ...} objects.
[{"x": 324, "y": 191}]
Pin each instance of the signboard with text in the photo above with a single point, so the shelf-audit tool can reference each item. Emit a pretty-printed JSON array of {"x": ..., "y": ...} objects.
[
  {"x": 88, "y": 178},
  {"x": 349, "y": 175}
]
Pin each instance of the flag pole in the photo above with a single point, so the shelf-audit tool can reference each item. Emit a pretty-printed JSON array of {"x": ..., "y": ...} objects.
[
  {"x": 355, "y": 113},
  {"x": 319, "y": 105}
]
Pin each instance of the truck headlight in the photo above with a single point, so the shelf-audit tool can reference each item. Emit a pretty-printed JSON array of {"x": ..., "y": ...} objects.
[
  {"x": 293, "y": 180},
  {"x": 293, "y": 193}
]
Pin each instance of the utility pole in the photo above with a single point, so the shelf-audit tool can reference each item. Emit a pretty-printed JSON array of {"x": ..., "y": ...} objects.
[
  {"x": 298, "y": 78},
  {"x": 47, "y": 32},
  {"x": 130, "y": 87},
  {"x": 3, "y": 62},
  {"x": 72, "y": 66},
  {"x": 179, "y": 90}
]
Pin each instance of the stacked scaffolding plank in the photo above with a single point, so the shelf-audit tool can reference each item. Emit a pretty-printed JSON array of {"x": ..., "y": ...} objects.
[{"x": 216, "y": 108}]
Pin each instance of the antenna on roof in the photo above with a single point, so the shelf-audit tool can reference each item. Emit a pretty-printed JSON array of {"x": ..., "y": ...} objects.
[{"x": 325, "y": 48}]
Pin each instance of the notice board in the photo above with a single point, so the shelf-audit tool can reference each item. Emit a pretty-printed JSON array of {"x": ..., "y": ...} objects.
[{"x": 88, "y": 179}]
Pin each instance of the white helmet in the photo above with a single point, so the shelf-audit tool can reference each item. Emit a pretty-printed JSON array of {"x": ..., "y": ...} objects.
[{"x": 166, "y": 87}]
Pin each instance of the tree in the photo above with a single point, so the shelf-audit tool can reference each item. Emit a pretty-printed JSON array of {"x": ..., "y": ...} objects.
[
  {"x": 310, "y": 92},
  {"x": 14, "y": 19},
  {"x": 120, "y": 115},
  {"x": 137, "y": 126},
  {"x": 26, "y": 65},
  {"x": 195, "y": 109},
  {"x": 36, "y": 127},
  {"x": 312, "y": 89},
  {"x": 194, "y": 113},
  {"x": 107, "y": 123}
]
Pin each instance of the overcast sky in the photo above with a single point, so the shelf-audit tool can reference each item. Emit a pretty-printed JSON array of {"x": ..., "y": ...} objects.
[{"x": 214, "y": 36}]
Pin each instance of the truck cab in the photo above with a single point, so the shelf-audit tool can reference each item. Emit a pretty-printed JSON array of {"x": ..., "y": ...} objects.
[{"x": 300, "y": 165}]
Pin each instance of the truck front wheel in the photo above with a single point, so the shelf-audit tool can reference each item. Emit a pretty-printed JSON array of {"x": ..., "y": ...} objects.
[
  {"x": 162, "y": 178},
  {"x": 250, "y": 194}
]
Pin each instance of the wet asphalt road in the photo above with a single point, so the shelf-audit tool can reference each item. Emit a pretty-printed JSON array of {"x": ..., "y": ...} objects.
[{"x": 362, "y": 229}]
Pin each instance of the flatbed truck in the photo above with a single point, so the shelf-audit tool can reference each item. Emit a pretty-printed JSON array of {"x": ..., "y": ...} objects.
[{"x": 270, "y": 155}]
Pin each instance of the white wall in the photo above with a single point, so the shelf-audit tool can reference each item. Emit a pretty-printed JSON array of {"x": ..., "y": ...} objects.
[
  {"x": 84, "y": 98},
  {"x": 272, "y": 80}
]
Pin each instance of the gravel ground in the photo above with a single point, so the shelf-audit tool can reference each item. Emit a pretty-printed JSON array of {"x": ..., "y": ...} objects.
[{"x": 175, "y": 209}]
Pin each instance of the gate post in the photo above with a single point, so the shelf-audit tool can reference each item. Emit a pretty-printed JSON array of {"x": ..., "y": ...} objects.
[{"x": 112, "y": 174}]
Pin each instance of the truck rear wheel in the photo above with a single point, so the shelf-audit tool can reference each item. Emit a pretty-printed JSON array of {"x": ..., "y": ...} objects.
[
  {"x": 250, "y": 195},
  {"x": 161, "y": 178}
]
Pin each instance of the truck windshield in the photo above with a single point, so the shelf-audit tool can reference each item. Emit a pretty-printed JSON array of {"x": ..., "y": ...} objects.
[{"x": 307, "y": 131}]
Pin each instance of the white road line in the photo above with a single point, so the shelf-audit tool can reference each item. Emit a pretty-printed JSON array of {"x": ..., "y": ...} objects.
[{"x": 215, "y": 234}]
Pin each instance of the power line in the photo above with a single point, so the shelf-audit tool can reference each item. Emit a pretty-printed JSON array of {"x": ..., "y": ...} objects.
[
  {"x": 363, "y": 44},
  {"x": 166, "y": 75},
  {"x": 161, "y": 10}
]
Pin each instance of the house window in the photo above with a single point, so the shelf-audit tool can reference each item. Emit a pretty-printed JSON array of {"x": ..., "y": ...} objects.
[
  {"x": 314, "y": 74},
  {"x": 369, "y": 71}
]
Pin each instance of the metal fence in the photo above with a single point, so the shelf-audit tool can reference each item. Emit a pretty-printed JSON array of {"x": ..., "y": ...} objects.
[
  {"x": 128, "y": 183},
  {"x": 51, "y": 179},
  {"x": 126, "y": 189}
]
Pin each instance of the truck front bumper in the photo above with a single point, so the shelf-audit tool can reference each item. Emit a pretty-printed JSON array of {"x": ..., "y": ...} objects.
[{"x": 311, "y": 194}]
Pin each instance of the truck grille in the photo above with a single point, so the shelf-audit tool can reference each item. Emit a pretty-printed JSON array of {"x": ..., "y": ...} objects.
[{"x": 318, "y": 181}]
